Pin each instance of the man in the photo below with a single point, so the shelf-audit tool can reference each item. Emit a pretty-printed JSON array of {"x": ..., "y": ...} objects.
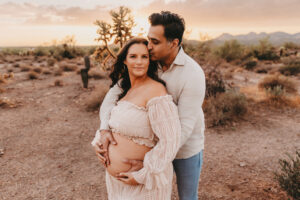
[{"x": 185, "y": 81}]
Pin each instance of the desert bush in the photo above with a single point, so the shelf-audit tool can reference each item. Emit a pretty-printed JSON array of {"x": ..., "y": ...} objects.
[
  {"x": 58, "y": 82},
  {"x": 38, "y": 69},
  {"x": 225, "y": 108},
  {"x": 230, "y": 50},
  {"x": 16, "y": 65},
  {"x": 7, "y": 103},
  {"x": 289, "y": 176},
  {"x": 68, "y": 67},
  {"x": 25, "y": 68},
  {"x": 290, "y": 45},
  {"x": 265, "y": 50},
  {"x": 33, "y": 75},
  {"x": 58, "y": 72},
  {"x": 2, "y": 79},
  {"x": 10, "y": 70},
  {"x": 292, "y": 67},
  {"x": 96, "y": 73},
  {"x": 214, "y": 82},
  {"x": 276, "y": 83},
  {"x": 250, "y": 64},
  {"x": 95, "y": 99},
  {"x": 51, "y": 61},
  {"x": 47, "y": 71},
  {"x": 41, "y": 51}
]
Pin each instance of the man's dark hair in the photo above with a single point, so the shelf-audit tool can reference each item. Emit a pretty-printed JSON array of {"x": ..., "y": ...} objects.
[{"x": 173, "y": 24}]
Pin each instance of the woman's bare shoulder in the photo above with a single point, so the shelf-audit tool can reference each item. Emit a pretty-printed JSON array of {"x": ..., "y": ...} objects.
[{"x": 156, "y": 89}]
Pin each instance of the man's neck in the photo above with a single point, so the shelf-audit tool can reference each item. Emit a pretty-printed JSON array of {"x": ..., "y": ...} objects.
[{"x": 166, "y": 64}]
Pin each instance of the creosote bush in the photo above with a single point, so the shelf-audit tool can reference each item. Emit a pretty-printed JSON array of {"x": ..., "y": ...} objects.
[
  {"x": 225, "y": 108},
  {"x": 58, "y": 82},
  {"x": 289, "y": 176},
  {"x": 38, "y": 69},
  {"x": 214, "y": 82},
  {"x": 68, "y": 67},
  {"x": 292, "y": 67},
  {"x": 95, "y": 99},
  {"x": 25, "y": 68},
  {"x": 32, "y": 75},
  {"x": 276, "y": 82},
  {"x": 230, "y": 50}
]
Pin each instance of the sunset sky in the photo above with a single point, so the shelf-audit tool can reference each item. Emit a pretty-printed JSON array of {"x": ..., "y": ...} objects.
[{"x": 39, "y": 22}]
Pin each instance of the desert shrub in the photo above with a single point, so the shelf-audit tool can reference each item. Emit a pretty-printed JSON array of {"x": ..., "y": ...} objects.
[
  {"x": 95, "y": 99},
  {"x": 96, "y": 73},
  {"x": 214, "y": 82},
  {"x": 58, "y": 72},
  {"x": 47, "y": 71},
  {"x": 250, "y": 63},
  {"x": 230, "y": 50},
  {"x": 10, "y": 70},
  {"x": 265, "y": 50},
  {"x": 68, "y": 67},
  {"x": 16, "y": 65},
  {"x": 261, "y": 70},
  {"x": 289, "y": 176},
  {"x": 58, "y": 82},
  {"x": 38, "y": 69},
  {"x": 225, "y": 108},
  {"x": 290, "y": 45},
  {"x": 25, "y": 68},
  {"x": 276, "y": 83},
  {"x": 33, "y": 75},
  {"x": 41, "y": 51},
  {"x": 292, "y": 67},
  {"x": 7, "y": 103},
  {"x": 51, "y": 61},
  {"x": 2, "y": 79}
]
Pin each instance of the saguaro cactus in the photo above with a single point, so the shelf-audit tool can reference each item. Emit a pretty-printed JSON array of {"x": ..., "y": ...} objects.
[{"x": 84, "y": 72}]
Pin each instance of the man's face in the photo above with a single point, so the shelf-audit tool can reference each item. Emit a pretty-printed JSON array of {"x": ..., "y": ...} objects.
[{"x": 158, "y": 46}]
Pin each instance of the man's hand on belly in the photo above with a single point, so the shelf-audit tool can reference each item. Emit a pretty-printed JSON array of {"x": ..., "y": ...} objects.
[
  {"x": 136, "y": 165},
  {"x": 102, "y": 146}
]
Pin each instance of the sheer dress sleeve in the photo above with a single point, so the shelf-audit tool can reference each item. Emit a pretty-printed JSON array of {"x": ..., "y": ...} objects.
[{"x": 164, "y": 121}]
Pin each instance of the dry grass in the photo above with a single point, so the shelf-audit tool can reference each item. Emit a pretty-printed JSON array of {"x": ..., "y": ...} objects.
[
  {"x": 68, "y": 67},
  {"x": 95, "y": 99},
  {"x": 96, "y": 73},
  {"x": 2, "y": 79},
  {"x": 51, "y": 61},
  {"x": 271, "y": 82},
  {"x": 16, "y": 65},
  {"x": 47, "y": 71},
  {"x": 38, "y": 69},
  {"x": 10, "y": 70},
  {"x": 225, "y": 108},
  {"x": 25, "y": 68},
  {"x": 32, "y": 75},
  {"x": 58, "y": 72},
  {"x": 58, "y": 82},
  {"x": 7, "y": 103}
]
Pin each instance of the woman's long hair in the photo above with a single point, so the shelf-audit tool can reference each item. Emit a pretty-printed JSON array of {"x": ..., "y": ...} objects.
[{"x": 120, "y": 71}]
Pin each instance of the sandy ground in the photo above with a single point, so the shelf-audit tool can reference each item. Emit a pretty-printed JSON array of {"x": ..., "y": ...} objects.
[{"x": 47, "y": 152}]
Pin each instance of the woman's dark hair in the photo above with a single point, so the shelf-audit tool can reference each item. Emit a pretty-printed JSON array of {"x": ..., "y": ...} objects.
[
  {"x": 120, "y": 71},
  {"x": 173, "y": 24}
]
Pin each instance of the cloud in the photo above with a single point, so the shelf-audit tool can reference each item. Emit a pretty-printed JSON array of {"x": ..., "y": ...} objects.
[
  {"x": 30, "y": 14},
  {"x": 232, "y": 12}
]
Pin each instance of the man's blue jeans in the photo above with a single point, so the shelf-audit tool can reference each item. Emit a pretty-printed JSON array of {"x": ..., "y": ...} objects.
[{"x": 188, "y": 174}]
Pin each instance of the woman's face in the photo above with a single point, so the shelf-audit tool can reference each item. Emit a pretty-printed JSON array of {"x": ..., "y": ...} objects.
[{"x": 137, "y": 60}]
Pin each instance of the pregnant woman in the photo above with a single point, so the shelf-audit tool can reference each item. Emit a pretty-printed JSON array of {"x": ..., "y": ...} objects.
[{"x": 145, "y": 124}]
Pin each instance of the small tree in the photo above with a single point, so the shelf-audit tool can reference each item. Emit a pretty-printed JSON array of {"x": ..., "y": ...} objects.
[{"x": 120, "y": 31}]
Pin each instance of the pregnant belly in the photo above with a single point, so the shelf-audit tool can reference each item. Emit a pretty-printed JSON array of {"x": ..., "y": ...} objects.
[{"x": 125, "y": 149}]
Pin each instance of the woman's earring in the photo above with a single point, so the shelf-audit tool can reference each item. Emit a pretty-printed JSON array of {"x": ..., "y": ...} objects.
[{"x": 124, "y": 66}]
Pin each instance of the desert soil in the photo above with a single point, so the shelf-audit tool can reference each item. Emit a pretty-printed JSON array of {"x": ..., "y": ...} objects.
[{"x": 47, "y": 153}]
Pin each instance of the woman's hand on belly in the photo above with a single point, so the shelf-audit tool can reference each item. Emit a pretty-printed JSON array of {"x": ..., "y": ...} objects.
[{"x": 125, "y": 156}]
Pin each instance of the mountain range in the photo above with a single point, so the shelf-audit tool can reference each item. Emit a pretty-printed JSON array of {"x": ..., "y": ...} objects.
[{"x": 276, "y": 38}]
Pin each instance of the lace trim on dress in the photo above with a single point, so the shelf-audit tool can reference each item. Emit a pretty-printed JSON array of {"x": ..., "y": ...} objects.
[{"x": 138, "y": 140}]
